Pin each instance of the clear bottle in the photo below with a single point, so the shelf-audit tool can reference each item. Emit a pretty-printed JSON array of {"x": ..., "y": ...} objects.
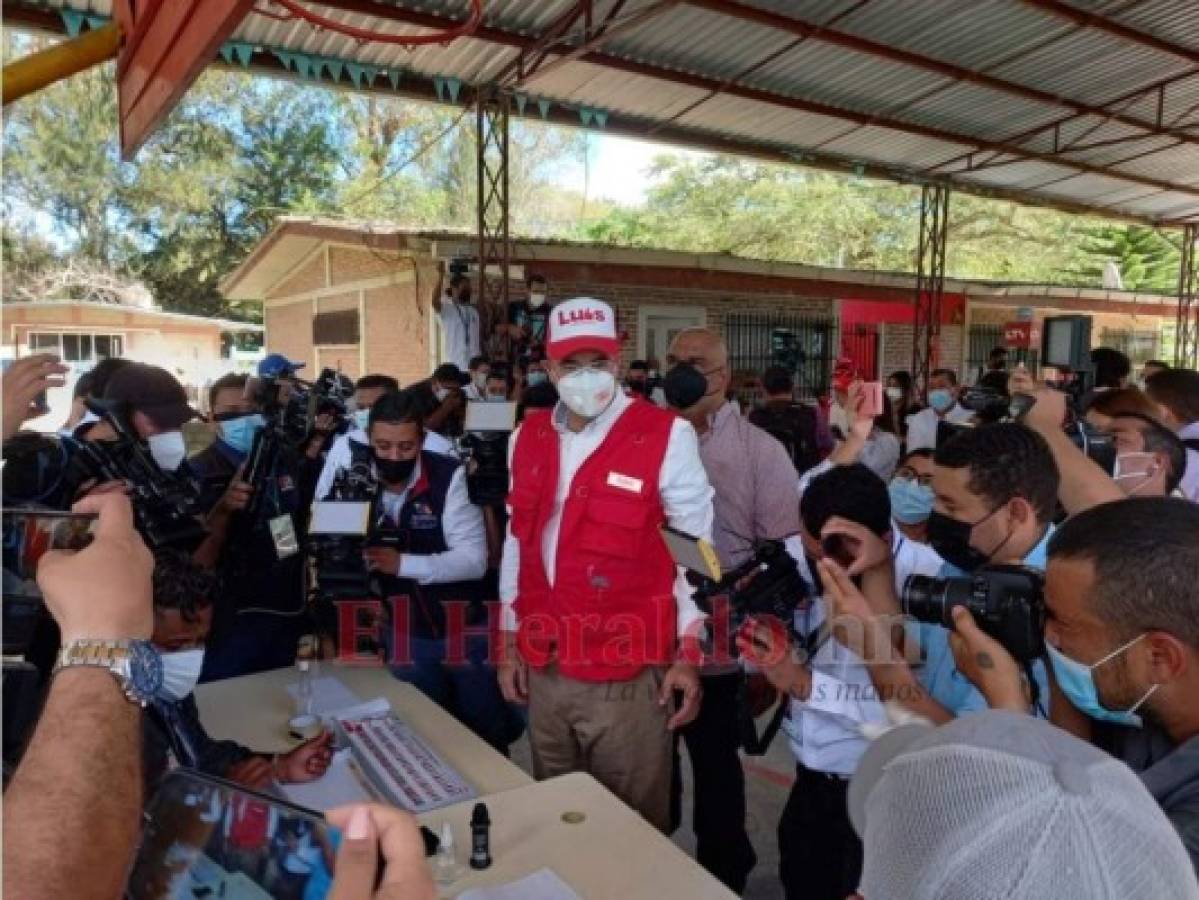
[
  {"x": 306, "y": 665},
  {"x": 446, "y": 868}
]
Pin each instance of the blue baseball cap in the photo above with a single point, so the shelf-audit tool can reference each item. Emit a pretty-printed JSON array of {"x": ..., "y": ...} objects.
[{"x": 275, "y": 364}]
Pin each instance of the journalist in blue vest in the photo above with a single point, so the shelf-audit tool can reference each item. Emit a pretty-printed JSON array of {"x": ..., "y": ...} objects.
[{"x": 433, "y": 554}]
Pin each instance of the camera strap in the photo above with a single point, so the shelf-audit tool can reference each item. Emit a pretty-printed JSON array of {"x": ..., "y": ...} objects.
[{"x": 751, "y": 742}]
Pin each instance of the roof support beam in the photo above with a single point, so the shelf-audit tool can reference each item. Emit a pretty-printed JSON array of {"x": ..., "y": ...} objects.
[
  {"x": 853, "y": 42},
  {"x": 1114, "y": 28},
  {"x": 387, "y": 12}
]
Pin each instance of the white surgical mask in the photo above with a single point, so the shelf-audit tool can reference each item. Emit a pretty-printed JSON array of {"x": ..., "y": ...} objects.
[
  {"x": 168, "y": 449},
  {"x": 895, "y": 394},
  {"x": 180, "y": 673},
  {"x": 481, "y": 380},
  {"x": 587, "y": 392},
  {"x": 1134, "y": 467},
  {"x": 441, "y": 393},
  {"x": 535, "y": 300}
]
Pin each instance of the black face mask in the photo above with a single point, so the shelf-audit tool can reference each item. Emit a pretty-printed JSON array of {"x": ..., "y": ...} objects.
[
  {"x": 684, "y": 386},
  {"x": 393, "y": 471},
  {"x": 951, "y": 539}
]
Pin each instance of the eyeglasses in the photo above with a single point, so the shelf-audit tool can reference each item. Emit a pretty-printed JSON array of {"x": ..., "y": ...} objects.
[
  {"x": 598, "y": 365},
  {"x": 909, "y": 474}
]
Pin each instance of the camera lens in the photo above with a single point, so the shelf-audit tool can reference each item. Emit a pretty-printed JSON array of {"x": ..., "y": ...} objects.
[{"x": 922, "y": 596}]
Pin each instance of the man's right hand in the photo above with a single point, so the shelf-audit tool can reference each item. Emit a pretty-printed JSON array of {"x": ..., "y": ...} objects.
[
  {"x": 104, "y": 590},
  {"x": 24, "y": 380},
  {"x": 371, "y": 831},
  {"x": 513, "y": 672},
  {"x": 237, "y": 495}
]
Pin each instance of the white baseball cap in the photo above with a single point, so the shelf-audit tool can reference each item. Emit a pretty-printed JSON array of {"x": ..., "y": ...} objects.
[
  {"x": 583, "y": 323},
  {"x": 1001, "y": 804}
]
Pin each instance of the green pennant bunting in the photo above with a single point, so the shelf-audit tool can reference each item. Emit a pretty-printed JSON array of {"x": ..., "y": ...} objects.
[
  {"x": 585, "y": 116},
  {"x": 73, "y": 21},
  {"x": 544, "y": 106},
  {"x": 453, "y": 85},
  {"x": 355, "y": 71},
  {"x": 521, "y": 101},
  {"x": 334, "y": 67},
  {"x": 226, "y": 52},
  {"x": 244, "y": 53},
  {"x": 601, "y": 118},
  {"x": 439, "y": 86},
  {"x": 94, "y": 22},
  {"x": 286, "y": 58},
  {"x": 370, "y": 73},
  {"x": 394, "y": 75}
]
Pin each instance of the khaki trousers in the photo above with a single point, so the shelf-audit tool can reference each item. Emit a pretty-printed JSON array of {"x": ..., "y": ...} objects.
[{"x": 613, "y": 730}]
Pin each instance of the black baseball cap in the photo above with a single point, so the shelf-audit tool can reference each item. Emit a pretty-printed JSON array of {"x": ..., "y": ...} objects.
[{"x": 153, "y": 391}]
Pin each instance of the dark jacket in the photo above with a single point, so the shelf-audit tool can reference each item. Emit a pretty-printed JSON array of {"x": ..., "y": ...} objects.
[
  {"x": 1171, "y": 773},
  {"x": 172, "y": 728},
  {"x": 794, "y": 425}
]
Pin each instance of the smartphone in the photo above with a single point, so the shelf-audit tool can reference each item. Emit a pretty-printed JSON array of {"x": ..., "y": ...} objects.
[
  {"x": 38, "y": 406},
  {"x": 29, "y": 533},
  {"x": 207, "y": 837},
  {"x": 872, "y": 399}
]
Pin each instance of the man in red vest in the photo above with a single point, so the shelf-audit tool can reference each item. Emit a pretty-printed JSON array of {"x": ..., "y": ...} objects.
[{"x": 593, "y": 606}]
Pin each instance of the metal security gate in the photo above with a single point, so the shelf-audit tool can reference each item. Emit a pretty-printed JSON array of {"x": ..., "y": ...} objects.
[
  {"x": 800, "y": 344},
  {"x": 982, "y": 340}
]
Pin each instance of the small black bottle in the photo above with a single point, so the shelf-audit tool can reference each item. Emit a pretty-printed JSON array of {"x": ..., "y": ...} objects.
[{"x": 480, "y": 837}]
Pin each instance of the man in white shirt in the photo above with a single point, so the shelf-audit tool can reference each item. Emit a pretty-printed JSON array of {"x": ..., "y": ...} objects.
[
  {"x": 594, "y": 607},
  {"x": 831, "y": 695},
  {"x": 429, "y": 551},
  {"x": 942, "y": 406},
  {"x": 480, "y": 371},
  {"x": 459, "y": 320},
  {"x": 354, "y": 446},
  {"x": 1176, "y": 393}
]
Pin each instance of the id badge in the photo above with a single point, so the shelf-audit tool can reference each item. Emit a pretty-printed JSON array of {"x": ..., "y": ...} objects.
[{"x": 283, "y": 532}]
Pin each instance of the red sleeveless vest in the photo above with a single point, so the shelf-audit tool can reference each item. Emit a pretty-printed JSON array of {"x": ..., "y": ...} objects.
[{"x": 611, "y": 609}]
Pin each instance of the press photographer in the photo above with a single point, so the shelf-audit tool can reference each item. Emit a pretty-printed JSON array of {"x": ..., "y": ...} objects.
[
  {"x": 435, "y": 554},
  {"x": 353, "y": 447},
  {"x": 258, "y": 487},
  {"x": 828, "y": 687},
  {"x": 1122, "y": 634}
]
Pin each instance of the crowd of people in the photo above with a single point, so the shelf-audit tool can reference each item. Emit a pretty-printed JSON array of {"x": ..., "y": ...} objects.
[{"x": 936, "y": 755}]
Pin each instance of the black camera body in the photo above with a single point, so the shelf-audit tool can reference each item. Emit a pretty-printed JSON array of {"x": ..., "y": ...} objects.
[
  {"x": 485, "y": 455},
  {"x": 341, "y": 571},
  {"x": 1007, "y": 602},
  {"x": 774, "y": 587},
  {"x": 165, "y": 505}
]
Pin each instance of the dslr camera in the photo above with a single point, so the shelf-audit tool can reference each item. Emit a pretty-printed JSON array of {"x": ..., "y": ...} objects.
[
  {"x": 1007, "y": 602},
  {"x": 165, "y": 504},
  {"x": 772, "y": 586},
  {"x": 337, "y": 550}
]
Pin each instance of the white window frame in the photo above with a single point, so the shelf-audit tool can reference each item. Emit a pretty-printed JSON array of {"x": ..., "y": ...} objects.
[{"x": 678, "y": 310}]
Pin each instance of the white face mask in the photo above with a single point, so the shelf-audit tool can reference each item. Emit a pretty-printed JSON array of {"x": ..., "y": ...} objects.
[
  {"x": 535, "y": 300},
  {"x": 895, "y": 394},
  {"x": 588, "y": 392},
  {"x": 1133, "y": 471},
  {"x": 168, "y": 449},
  {"x": 481, "y": 380},
  {"x": 180, "y": 673},
  {"x": 441, "y": 393}
]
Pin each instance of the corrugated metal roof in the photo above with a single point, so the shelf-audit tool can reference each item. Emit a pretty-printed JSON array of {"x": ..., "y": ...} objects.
[{"x": 719, "y": 73}]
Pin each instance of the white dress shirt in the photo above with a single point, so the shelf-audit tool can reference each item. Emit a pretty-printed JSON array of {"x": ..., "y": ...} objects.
[
  {"x": 460, "y": 326},
  {"x": 462, "y": 526},
  {"x": 341, "y": 455},
  {"x": 682, "y": 485},
  {"x": 922, "y": 426},
  {"x": 1190, "y": 477},
  {"x": 825, "y": 731}
]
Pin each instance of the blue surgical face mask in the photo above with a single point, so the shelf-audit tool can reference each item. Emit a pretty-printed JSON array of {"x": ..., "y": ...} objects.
[
  {"x": 1077, "y": 682},
  {"x": 239, "y": 433},
  {"x": 940, "y": 399},
  {"x": 180, "y": 673},
  {"x": 362, "y": 418},
  {"x": 911, "y": 501}
]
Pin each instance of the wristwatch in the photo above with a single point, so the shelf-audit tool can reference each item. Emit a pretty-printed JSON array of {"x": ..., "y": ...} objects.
[{"x": 136, "y": 665}]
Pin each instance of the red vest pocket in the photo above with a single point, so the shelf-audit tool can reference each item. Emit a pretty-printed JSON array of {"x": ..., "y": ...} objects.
[{"x": 615, "y": 527}]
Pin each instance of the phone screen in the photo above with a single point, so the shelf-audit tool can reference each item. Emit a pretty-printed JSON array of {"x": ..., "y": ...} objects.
[{"x": 205, "y": 837}]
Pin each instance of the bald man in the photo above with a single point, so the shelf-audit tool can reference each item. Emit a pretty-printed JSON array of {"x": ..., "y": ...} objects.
[{"x": 756, "y": 499}]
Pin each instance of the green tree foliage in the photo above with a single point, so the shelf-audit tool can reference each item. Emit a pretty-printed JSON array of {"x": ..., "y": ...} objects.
[{"x": 1148, "y": 259}]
